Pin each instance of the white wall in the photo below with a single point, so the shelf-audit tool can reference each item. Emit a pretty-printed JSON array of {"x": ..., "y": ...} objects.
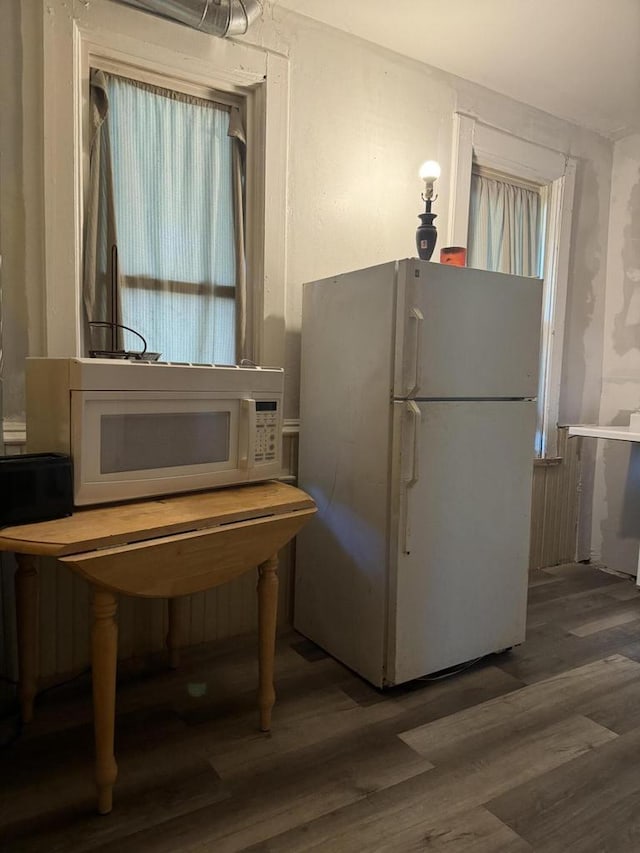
[
  {"x": 616, "y": 511},
  {"x": 361, "y": 121}
]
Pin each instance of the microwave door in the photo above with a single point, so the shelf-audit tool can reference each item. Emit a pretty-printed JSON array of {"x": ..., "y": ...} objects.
[
  {"x": 154, "y": 441},
  {"x": 128, "y": 445}
]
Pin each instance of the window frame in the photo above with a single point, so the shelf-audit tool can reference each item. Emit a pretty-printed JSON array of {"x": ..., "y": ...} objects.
[
  {"x": 78, "y": 36},
  {"x": 477, "y": 143}
]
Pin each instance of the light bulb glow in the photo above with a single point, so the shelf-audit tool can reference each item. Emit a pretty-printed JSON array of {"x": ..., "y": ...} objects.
[{"x": 430, "y": 170}]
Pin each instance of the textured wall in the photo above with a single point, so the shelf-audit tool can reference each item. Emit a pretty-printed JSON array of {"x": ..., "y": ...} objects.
[{"x": 616, "y": 508}]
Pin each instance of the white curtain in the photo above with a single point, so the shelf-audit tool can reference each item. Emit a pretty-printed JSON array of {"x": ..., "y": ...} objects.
[
  {"x": 505, "y": 222},
  {"x": 100, "y": 225},
  {"x": 169, "y": 171}
]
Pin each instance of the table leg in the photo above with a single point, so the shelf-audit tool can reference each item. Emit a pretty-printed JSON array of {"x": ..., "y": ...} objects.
[
  {"x": 175, "y": 634},
  {"x": 27, "y": 613},
  {"x": 104, "y": 653},
  {"x": 267, "y": 618}
]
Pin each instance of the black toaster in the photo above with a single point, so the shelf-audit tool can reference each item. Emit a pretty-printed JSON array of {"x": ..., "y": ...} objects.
[{"x": 35, "y": 487}]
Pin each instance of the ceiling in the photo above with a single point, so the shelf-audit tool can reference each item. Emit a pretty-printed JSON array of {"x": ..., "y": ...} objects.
[{"x": 576, "y": 59}]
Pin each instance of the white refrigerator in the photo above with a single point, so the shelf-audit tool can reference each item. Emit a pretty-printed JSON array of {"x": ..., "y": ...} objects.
[{"x": 417, "y": 422}]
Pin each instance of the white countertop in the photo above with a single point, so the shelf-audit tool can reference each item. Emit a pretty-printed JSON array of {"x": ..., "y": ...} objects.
[{"x": 617, "y": 433}]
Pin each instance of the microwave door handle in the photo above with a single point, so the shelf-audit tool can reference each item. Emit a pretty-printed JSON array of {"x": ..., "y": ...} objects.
[{"x": 247, "y": 448}]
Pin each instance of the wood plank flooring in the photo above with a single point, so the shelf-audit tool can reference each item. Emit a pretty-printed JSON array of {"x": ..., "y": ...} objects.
[{"x": 533, "y": 750}]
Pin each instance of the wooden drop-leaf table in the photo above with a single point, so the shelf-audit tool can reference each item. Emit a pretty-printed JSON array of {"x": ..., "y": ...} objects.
[{"x": 161, "y": 548}]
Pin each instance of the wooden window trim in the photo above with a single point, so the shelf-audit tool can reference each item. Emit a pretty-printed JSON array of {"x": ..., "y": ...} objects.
[{"x": 193, "y": 288}]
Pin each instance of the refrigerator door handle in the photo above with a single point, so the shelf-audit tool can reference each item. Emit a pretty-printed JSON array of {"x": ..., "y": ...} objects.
[
  {"x": 416, "y": 418},
  {"x": 417, "y": 316}
]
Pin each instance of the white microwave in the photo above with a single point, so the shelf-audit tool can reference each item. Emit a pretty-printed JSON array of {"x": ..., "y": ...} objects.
[{"x": 137, "y": 429}]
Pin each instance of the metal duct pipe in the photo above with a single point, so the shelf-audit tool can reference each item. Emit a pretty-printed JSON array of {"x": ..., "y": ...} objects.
[{"x": 217, "y": 17}]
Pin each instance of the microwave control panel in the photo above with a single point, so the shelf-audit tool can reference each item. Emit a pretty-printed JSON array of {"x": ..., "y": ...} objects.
[{"x": 266, "y": 431}]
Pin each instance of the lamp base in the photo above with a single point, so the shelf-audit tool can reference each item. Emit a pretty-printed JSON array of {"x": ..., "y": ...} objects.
[{"x": 426, "y": 236}]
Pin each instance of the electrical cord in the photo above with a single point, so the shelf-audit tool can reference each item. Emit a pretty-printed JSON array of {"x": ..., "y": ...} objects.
[
  {"x": 110, "y": 325},
  {"x": 451, "y": 672}
]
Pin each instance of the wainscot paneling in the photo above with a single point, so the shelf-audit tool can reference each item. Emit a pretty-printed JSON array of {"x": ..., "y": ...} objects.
[
  {"x": 231, "y": 609},
  {"x": 554, "y": 511}
]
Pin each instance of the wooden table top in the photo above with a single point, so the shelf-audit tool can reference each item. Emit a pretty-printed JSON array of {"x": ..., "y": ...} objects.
[{"x": 120, "y": 524}]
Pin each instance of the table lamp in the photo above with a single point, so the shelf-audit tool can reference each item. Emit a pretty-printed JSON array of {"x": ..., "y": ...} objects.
[{"x": 426, "y": 233}]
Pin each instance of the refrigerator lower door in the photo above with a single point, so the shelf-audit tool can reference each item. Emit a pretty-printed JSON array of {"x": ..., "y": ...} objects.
[{"x": 462, "y": 488}]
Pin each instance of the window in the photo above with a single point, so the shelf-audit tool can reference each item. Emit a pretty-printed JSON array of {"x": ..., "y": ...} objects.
[
  {"x": 123, "y": 41},
  {"x": 168, "y": 231},
  {"x": 540, "y": 182}
]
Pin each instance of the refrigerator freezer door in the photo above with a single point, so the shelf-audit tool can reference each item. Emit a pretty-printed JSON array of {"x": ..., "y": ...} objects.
[
  {"x": 459, "y": 578},
  {"x": 464, "y": 333}
]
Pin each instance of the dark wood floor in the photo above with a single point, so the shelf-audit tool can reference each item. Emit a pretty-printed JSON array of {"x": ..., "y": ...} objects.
[{"x": 537, "y": 749}]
